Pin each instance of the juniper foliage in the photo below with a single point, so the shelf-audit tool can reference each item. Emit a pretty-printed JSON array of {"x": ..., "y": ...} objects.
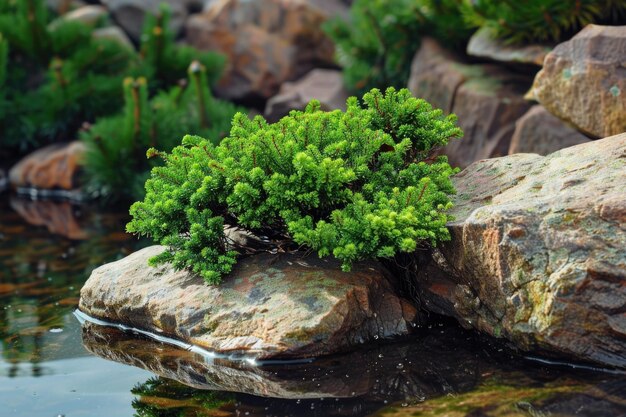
[{"x": 355, "y": 185}]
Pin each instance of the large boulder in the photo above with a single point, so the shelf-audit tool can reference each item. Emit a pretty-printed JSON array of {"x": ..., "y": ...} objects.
[
  {"x": 583, "y": 81},
  {"x": 320, "y": 84},
  {"x": 538, "y": 131},
  {"x": 52, "y": 167},
  {"x": 266, "y": 42},
  {"x": 269, "y": 307},
  {"x": 537, "y": 254},
  {"x": 487, "y": 99}
]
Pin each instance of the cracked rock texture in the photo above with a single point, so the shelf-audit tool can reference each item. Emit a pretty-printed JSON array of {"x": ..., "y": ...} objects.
[
  {"x": 583, "y": 81},
  {"x": 538, "y": 252},
  {"x": 269, "y": 307}
]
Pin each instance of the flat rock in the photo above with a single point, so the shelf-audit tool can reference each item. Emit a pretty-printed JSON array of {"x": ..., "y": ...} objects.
[
  {"x": 52, "y": 167},
  {"x": 483, "y": 45},
  {"x": 266, "y": 43},
  {"x": 268, "y": 307},
  {"x": 488, "y": 100},
  {"x": 583, "y": 81},
  {"x": 320, "y": 84},
  {"x": 538, "y": 131},
  {"x": 537, "y": 254}
]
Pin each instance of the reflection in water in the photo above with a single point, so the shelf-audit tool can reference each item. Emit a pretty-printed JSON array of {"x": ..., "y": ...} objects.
[
  {"x": 445, "y": 372},
  {"x": 45, "y": 370},
  {"x": 41, "y": 273}
]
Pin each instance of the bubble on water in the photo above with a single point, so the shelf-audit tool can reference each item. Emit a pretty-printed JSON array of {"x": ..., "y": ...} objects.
[
  {"x": 55, "y": 330},
  {"x": 380, "y": 355},
  {"x": 399, "y": 366},
  {"x": 405, "y": 404}
]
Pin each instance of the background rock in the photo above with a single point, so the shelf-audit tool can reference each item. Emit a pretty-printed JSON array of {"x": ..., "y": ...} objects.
[
  {"x": 269, "y": 306},
  {"x": 483, "y": 45},
  {"x": 583, "y": 81},
  {"x": 266, "y": 42},
  {"x": 538, "y": 131},
  {"x": 487, "y": 99},
  {"x": 90, "y": 15},
  {"x": 321, "y": 84},
  {"x": 537, "y": 252},
  {"x": 130, "y": 14},
  {"x": 113, "y": 33},
  {"x": 54, "y": 166}
]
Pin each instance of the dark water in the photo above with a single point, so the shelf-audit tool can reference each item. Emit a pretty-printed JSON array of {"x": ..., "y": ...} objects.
[{"x": 51, "y": 366}]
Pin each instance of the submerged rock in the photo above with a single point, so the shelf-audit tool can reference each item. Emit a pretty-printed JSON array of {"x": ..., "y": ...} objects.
[
  {"x": 52, "y": 167},
  {"x": 487, "y": 99},
  {"x": 266, "y": 43},
  {"x": 583, "y": 81},
  {"x": 269, "y": 307},
  {"x": 538, "y": 252}
]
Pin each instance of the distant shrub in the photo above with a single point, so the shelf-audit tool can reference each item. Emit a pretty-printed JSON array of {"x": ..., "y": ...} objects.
[
  {"x": 376, "y": 46},
  {"x": 541, "y": 20},
  {"x": 356, "y": 185}
]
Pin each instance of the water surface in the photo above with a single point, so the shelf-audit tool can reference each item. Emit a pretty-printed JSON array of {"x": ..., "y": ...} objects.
[{"x": 50, "y": 365}]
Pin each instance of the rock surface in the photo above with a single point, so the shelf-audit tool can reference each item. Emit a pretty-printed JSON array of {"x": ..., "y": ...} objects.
[
  {"x": 538, "y": 252},
  {"x": 269, "y": 307},
  {"x": 52, "y": 167},
  {"x": 90, "y": 15},
  {"x": 583, "y": 81},
  {"x": 266, "y": 42},
  {"x": 323, "y": 85},
  {"x": 538, "y": 131},
  {"x": 113, "y": 33},
  {"x": 130, "y": 14},
  {"x": 487, "y": 99},
  {"x": 483, "y": 45}
]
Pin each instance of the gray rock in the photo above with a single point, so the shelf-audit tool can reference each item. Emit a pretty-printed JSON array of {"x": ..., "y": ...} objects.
[
  {"x": 323, "y": 85},
  {"x": 113, "y": 33},
  {"x": 483, "y": 45},
  {"x": 538, "y": 131},
  {"x": 130, "y": 14},
  {"x": 537, "y": 254},
  {"x": 269, "y": 306},
  {"x": 90, "y": 15},
  {"x": 583, "y": 81}
]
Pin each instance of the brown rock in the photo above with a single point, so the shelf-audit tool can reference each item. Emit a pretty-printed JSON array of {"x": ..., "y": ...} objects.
[
  {"x": 483, "y": 45},
  {"x": 537, "y": 251},
  {"x": 538, "y": 131},
  {"x": 55, "y": 166},
  {"x": 583, "y": 81},
  {"x": 320, "y": 84},
  {"x": 270, "y": 306},
  {"x": 266, "y": 42},
  {"x": 487, "y": 99}
]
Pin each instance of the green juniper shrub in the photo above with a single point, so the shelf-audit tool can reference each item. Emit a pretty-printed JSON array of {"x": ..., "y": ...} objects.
[
  {"x": 541, "y": 20},
  {"x": 356, "y": 185},
  {"x": 376, "y": 46},
  {"x": 115, "y": 161}
]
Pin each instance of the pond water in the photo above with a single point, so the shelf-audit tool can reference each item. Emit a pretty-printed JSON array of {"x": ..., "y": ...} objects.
[{"x": 50, "y": 365}]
